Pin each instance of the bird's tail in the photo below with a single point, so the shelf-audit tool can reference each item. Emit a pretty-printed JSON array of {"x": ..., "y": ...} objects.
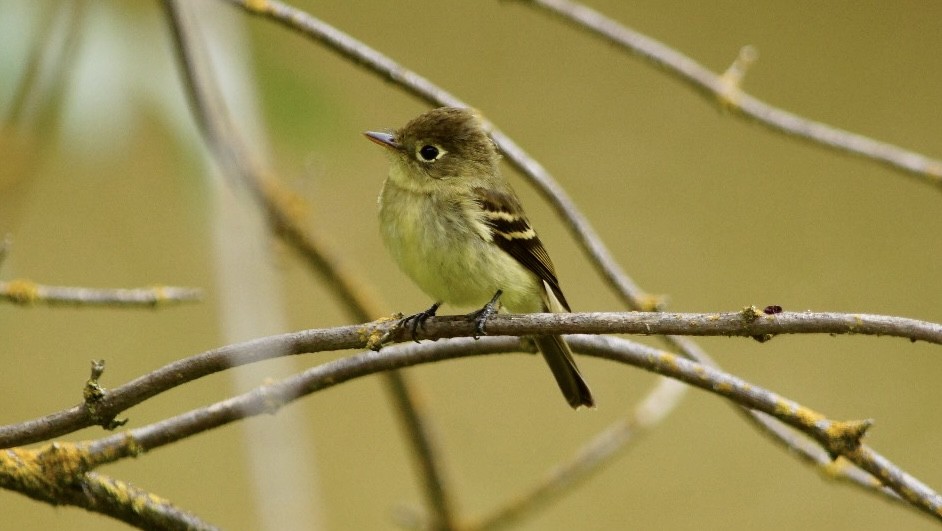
[{"x": 559, "y": 358}]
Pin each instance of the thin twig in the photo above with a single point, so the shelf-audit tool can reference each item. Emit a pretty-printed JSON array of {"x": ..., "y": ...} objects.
[
  {"x": 726, "y": 92},
  {"x": 27, "y": 293},
  {"x": 359, "y": 302}
]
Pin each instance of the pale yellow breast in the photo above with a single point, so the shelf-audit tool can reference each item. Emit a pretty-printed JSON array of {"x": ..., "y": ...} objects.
[{"x": 443, "y": 245}]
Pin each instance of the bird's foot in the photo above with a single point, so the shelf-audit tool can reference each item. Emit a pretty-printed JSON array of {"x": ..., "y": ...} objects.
[
  {"x": 418, "y": 320},
  {"x": 481, "y": 316}
]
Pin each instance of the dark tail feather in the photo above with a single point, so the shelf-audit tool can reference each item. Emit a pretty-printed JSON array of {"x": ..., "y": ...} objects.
[{"x": 559, "y": 358}]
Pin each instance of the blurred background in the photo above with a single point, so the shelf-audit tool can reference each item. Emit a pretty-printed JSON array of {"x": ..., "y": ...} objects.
[{"x": 104, "y": 182}]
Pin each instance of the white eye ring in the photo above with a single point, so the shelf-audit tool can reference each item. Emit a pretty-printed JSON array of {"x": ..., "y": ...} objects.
[{"x": 429, "y": 153}]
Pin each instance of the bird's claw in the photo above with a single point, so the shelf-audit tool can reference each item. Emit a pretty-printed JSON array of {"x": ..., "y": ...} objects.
[{"x": 418, "y": 320}]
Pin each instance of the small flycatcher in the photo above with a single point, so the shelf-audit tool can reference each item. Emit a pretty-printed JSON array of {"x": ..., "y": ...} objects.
[{"x": 454, "y": 225}]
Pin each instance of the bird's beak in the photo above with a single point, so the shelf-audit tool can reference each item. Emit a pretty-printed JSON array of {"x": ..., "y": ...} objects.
[{"x": 384, "y": 139}]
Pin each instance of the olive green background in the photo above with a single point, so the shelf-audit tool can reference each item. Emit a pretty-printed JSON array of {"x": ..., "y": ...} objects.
[{"x": 103, "y": 183}]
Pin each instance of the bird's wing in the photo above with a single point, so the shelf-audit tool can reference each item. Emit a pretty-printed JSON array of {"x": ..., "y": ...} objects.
[{"x": 512, "y": 232}]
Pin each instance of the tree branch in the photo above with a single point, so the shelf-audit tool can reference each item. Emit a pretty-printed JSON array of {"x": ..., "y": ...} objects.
[
  {"x": 725, "y": 91},
  {"x": 839, "y": 438},
  {"x": 49, "y": 474},
  {"x": 26, "y": 293},
  {"x": 113, "y": 402}
]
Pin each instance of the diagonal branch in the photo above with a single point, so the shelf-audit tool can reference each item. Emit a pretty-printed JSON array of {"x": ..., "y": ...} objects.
[
  {"x": 589, "y": 459},
  {"x": 724, "y": 90}
]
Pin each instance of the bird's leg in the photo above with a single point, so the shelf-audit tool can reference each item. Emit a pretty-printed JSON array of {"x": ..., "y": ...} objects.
[
  {"x": 481, "y": 316},
  {"x": 418, "y": 319}
]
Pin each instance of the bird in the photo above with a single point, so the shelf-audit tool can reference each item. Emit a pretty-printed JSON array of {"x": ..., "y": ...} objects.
[{"x": 454, "y": 225}]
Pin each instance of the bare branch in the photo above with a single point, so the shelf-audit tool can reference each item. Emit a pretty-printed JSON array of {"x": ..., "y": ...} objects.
[
  {"x": 725, "y": 91},
  {"x": 26, "y": 293},
  {"x": 746, "y": 323},
  {"x": 370, "y": 335},
  {"x": 839, "y": 438}
]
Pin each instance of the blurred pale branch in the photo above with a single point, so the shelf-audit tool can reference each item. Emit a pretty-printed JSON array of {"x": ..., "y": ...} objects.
[
  {"x": 50, "y": 51},
  {"x": 839, "y": 438},
  {"x": 27, "y": 293},
  {"x": 591, "y": 458},
  {"x": 353, "y": 295},
  {"x": 725, "y": 90}
]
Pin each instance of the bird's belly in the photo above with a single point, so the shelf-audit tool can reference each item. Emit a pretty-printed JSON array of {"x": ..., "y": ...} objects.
[{"x": 447, "y": 257}]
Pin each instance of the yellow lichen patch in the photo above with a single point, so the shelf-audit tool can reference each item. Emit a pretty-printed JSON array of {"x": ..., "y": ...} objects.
[
  {"x": 700, "y": 371},
  {"x": 808, "y": 417},
  {"x": 22, "y": 467},
  {"x": 667, "y": 360},
  {"x": 260, "y": 6},
  {"x": 750, "y": 313},
  {"x": 724, "y": 387},
  {"x": 160, "y": 294},
  {"x": 784, "y": 408},
  {"x": 133, "y": 447},
  {"x": 835, "y": 469},
  {"x": 60, "y": 460},
  {"x": 858, "y": 320},
  {"x": 127, "y": 495},
  {"x": 652, "y": 303},
  {"x": 848, "y": 431},
  {"x": 372, "y": 337},
  {"x": 22, "y": 291}
]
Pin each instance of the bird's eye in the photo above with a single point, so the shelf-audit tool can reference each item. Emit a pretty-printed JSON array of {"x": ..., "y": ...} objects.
[{"x": 429, "y": 153}]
